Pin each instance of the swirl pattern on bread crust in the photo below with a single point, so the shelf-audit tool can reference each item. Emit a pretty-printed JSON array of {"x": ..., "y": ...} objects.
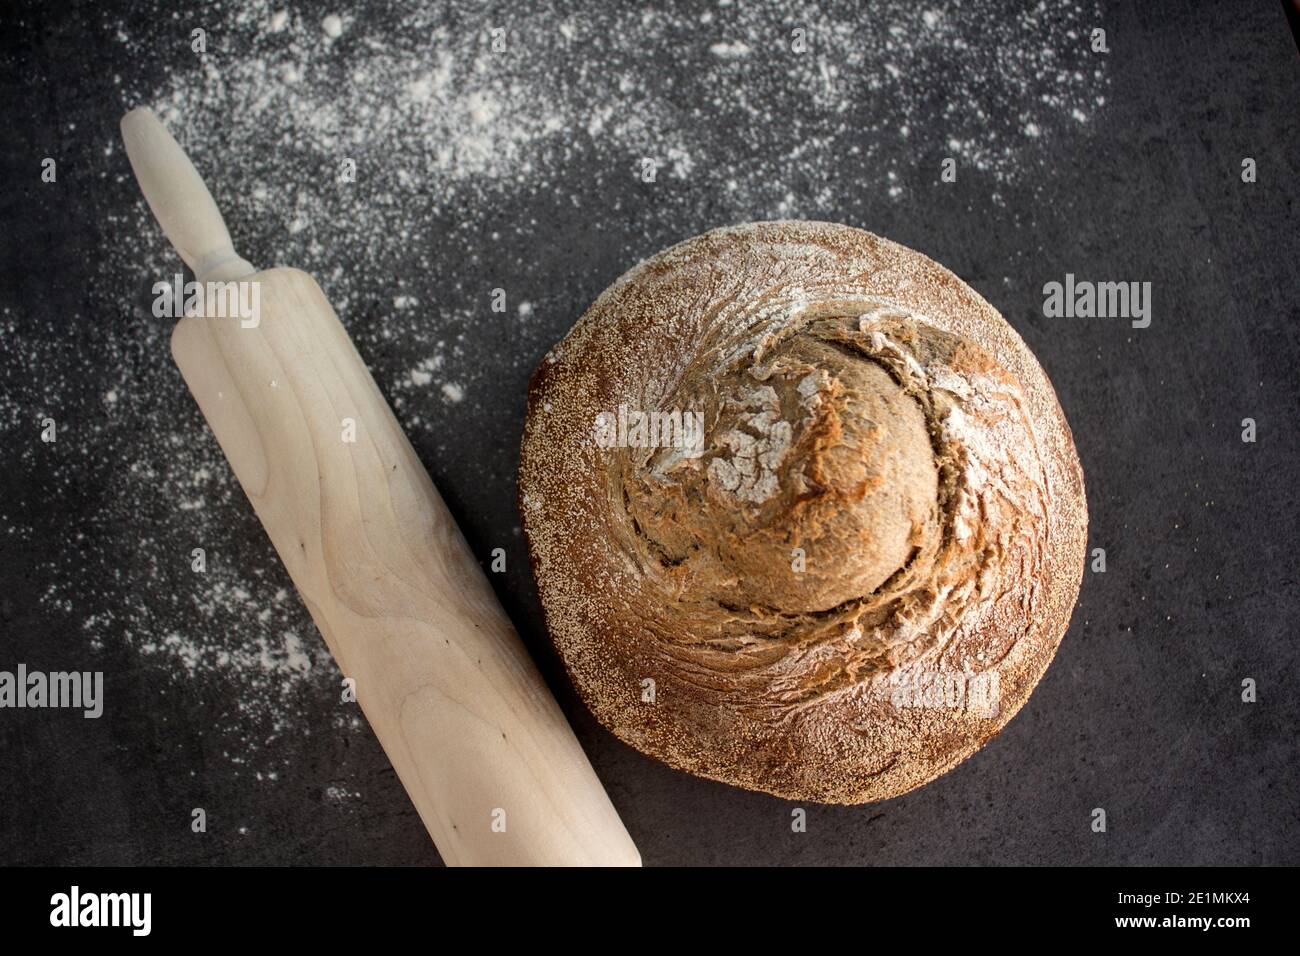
[{"x": 861, "y": 568}]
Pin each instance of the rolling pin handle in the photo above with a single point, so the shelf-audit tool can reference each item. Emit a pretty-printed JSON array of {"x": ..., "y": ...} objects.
[{"x": 180, "y": 201}]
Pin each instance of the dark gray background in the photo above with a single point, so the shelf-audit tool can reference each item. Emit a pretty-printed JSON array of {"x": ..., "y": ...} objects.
[{"x": 1139, "y": 714}]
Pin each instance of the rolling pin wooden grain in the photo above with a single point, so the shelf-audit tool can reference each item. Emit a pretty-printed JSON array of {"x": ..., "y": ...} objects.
[{"x": 458, "y": 705}]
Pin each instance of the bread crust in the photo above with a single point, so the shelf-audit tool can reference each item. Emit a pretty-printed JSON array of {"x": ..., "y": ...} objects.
[{"x": 857, "y": 578}]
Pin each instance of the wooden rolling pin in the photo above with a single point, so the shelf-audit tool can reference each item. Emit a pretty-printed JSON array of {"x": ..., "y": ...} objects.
[{"x": 462, "y": 712}]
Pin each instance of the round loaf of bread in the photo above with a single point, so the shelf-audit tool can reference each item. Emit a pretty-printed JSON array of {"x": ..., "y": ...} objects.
[{"x": 804, "y": 512}]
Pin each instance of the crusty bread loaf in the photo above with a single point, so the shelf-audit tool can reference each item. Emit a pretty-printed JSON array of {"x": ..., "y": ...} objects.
[{"x": 857, "y": 571}]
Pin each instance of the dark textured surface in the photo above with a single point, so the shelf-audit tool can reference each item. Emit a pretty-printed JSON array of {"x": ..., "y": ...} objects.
[{"x": 1140, "y": 713}]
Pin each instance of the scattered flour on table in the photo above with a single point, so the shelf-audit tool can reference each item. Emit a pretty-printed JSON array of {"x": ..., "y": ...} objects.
[{"x": 455, "y": 119}]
